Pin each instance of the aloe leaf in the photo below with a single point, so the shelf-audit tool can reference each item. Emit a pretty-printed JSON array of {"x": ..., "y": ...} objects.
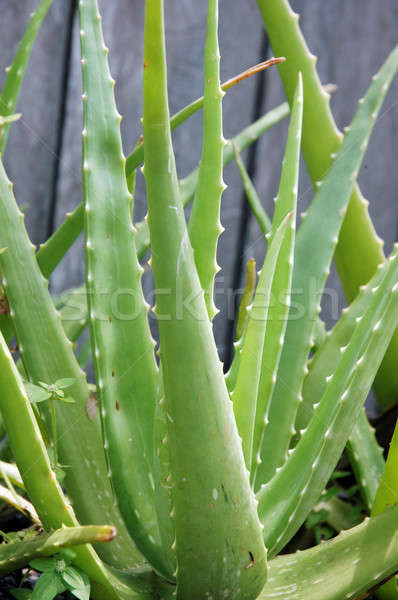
[
  {"x": 243, "y": 319},
  {"x": 9, "y": 97},
  {"x": 55, "y": 248},
  {"x": 359, "y": 250},
  {"x": 280, "y": 294},
  {"x": 387, "y": 496},
  {"x": 211, "y": 546},
  {"x": 345, "y": 567},
  {"x": 6, "y": 326},
  {"x": 319, "y": 333},
  {"x": 245, "y": 393},
  {"x": 364, "y": 451},
  {"x": 321, "y": 139},
  {"x": 387, "y": 492},
  {"x": 302, "y": 478},
  {"x": 365, "y": 454},
  {"x": 247, "y": 299},
  {"x": 204, "y": 223},
  {"x": 127, "y": 375},
  {"x": 18, "y": 554},
  {"x": 84, "y": 354},
  {"x": 164, "y": 501},
  {"x": 366, "y": 457},
  {"x": 251, "y": 194},
  {"x": 314, "y": 250},
  {"x": 40, "y": 482},
  {"x": 47, "y": 355},
  {"x": 15, "y": 72}
]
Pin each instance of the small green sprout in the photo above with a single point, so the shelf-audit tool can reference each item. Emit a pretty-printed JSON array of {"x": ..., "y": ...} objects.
[
  {"x": 58, "y": 575},
  {"x": 53, "y": 392}
]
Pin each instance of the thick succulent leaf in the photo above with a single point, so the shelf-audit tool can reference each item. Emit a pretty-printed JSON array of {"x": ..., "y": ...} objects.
[
  {"x": 366, "y": 457},
  {"x": 286, "y": 201},
  {"x": 215, "y": 513},
  {"x": 345, "y": 567},
  {"x": 18, "y": 554},
  {"x": 359, "y": 250},
  {"x": 47, "y": 355},
  {"x": 15, "y": 72},
  {"x": 204, "y": 223},
  {"x": 245, "y": 393},
  {"x": 6, "y": 327},
  {"x": 365, "y": 454},
  {"x": 316, "y": 240},
  {"x": 31, "y": 456},
  {"x": 302, "y": 478},
  {"x": 55, "y": 248},
  {"x": 247, "y": 299},
  {"x": 126, "y": 372},
  {"x": 9, "y": 97},
  {"x": 241, "y": 326},
  {"x": 387, "y": 496}
]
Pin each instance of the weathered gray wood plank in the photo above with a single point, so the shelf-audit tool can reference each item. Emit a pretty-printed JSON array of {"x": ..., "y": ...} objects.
[{"x": 30, "y": 157}]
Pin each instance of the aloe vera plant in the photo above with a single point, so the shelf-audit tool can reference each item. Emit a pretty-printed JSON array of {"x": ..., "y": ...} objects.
[{"x": 205, "y": 476}]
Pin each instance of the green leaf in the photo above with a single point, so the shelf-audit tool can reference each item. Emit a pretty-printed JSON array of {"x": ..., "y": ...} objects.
[
  {"x": 15, "y": 73},
  {"x": 204, "y": 223},
  {"x": 22, "y": 594},
  {"x": 43, "y": 564},
  {"x": 60, "y": 474},
  {"x": 303, "y": 477},
  {"x": 366, "y": 457},
  {"x": 359, "y": 250},
  {"x": 267, "y": 438},
  {"x": 68, "y": 555},
  {"x": 47, "y": 356},
  {"x": 126, "y": 371},
  {"x": 202, "y": 436},
  {"x": 364, "y": 452},
  {"x": 66, "y": 399},
  {"x": 65, "y": 382},
  {"x": 241, "y": 326},
  {"x": 48, "y": 586},
  {"x": 45, "y": 386},
  {"x": 36, "y": 394},
  {"x": 77, "y": 582},
  {"x": 245, "y": 393},
  {"x": 316, "y": 240},
  {"x": 340, "y": 474},
  {"x": 345, "y": 567},
  {"x": 32, "y": 460}
]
